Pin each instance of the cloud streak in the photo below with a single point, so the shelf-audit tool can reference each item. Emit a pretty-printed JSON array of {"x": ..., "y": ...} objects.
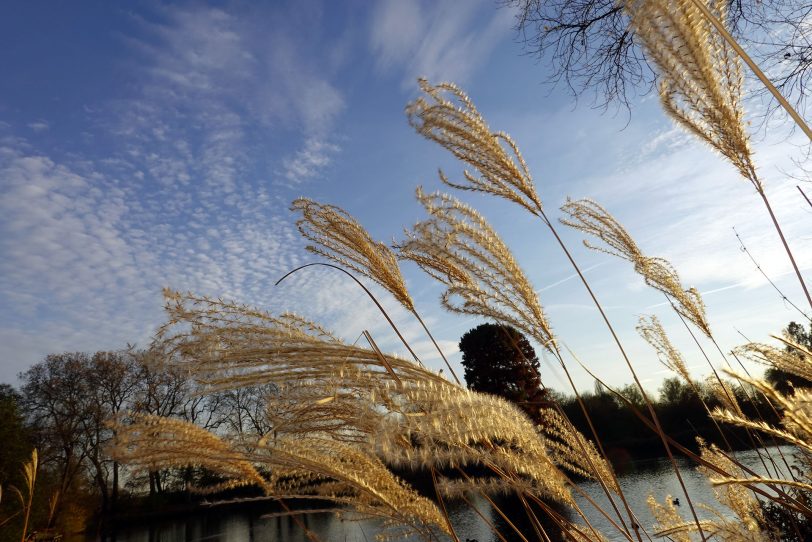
[{"x": 436, "y": 40}]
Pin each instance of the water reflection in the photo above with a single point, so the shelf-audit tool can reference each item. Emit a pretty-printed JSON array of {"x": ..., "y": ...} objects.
[{"x": 655, "y": 478}]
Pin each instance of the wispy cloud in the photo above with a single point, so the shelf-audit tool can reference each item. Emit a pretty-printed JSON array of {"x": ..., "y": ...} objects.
[
  {"x": 438, "y": 40},
  {"x": 181, "y": 197},
  {"x": 309, "y": 161},
  {"x": 39, "y": 126}
]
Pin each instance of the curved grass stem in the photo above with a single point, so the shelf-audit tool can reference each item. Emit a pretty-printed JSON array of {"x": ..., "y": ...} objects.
[{"x": 369, "y": 293}]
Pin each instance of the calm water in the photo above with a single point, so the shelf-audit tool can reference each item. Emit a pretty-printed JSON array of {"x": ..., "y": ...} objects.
[{"x": 648, "y": 478}]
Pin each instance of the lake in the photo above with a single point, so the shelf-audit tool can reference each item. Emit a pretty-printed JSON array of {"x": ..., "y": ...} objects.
[{"x": 655, "y": 477}]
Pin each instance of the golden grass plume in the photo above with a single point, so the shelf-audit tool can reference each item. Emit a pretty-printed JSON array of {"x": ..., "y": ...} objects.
[
  {"x": 447, "y": 116},
  {"x": 700, "y": 79},
  {"x": 589, "y": 217},
  {"x": 459, "y": 248},
  {"x": 339, "y": 237},
  {"x": 653, "y": 332}
]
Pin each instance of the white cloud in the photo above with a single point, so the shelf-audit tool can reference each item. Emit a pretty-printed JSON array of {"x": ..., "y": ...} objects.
[
  {"x": 435, "y": 39},
  {"x": 215, "y": 86},
  {"x": 309, "y": 161},
  {"x": 39, "y": 126}
]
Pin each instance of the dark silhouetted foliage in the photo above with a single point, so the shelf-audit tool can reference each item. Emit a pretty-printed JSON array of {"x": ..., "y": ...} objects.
[{"x": 499, "y": 360}]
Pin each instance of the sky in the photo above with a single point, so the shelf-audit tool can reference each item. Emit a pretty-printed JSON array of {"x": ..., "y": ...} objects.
[{"x": 147, "y": 144}]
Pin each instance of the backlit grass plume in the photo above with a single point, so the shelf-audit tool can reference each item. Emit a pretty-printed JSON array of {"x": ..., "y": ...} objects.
[
  {"x": 153, "y": 442},
  {"x": 650, "y": 328},
  {"x": 748, "y": 516},
  {"x": 701, "y": 82},
  {"x": 796, "y": 411},
  {"x": 447, "y": 116},
  {"x": 573, "y": 452},
  {"x": 300, "y": 467},
  {"x": 458, "y": 247},
  {"x": 794, "y": 358},
  {"x": 226, "y": 345},
  {"x": 591, "y": 218},
  {"x": 339, "y": 237},
  {"x": 700, "y": 74}
]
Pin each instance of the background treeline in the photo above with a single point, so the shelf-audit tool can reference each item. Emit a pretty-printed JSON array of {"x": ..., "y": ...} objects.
[
  {"x": 681, "y": 409},
  {"x": 63, "y": 408}
]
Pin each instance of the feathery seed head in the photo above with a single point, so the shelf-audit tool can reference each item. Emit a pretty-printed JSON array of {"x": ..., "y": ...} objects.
[
  {"x": 339, "y": 412},
  {"x": 339, "y": 237},
  {"x": 589, "y": 217},
  {"x": 735, "y": 496},
  {"x": 794, "y": 358},
  {"x": 459, "y": 248},
  {"x": 653, "y": 332},
  {"x": 700, "y": 74},
  {"x": 447, "y": 116}
]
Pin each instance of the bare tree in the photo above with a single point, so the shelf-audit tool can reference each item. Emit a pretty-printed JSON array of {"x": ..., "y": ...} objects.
[
  {"x": 112, "y": 385},
  {"x": 56, "y": 402},
  {"x": 163, "y": 390},
  {"x": 246, "y": 410}
]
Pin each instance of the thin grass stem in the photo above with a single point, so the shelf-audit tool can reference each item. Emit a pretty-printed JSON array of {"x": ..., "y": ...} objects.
[
  {"x": 700, "y": 5},
  {"x": 659, "y": 430},
  {"x": 775, "y": 287},
  {"x": 786, "y": 245},
  {"x": 437, "y": 346},
  {"x": 369, "y": 293}
]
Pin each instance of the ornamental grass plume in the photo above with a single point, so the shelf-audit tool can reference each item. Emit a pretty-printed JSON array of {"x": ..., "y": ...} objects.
[
  {"x": 152, "y": 442},
  {"x": 701, "y": 82},
  {"x": 225, "y": 345},
  {"x": 700, "y": 74},
  {"x": 299, "y": 468},
  {"x": 573, "y": 452},
  {"x": 749, "y": 518},
  {"x": 339, "y": 237},
  {"x": 652, "y": 331},
  {"x": 794, "y": 358},
  {"x": 669, "y": 521},
  {"x": 456, "y": 428},
  {"x": 29, "y": 472},
  {"x": 459, "y": 248},
  {"x": 796, "y": 413},
  {"x": 447, "y": 116},
  {"x": 588, "y": 216}
]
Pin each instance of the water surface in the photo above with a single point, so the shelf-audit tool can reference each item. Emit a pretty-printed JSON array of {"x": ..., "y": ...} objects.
[{"x": 655, "y": 477}]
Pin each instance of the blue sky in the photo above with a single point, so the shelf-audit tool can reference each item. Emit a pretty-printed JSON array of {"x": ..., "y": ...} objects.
[{"x": 149, "y": 144}]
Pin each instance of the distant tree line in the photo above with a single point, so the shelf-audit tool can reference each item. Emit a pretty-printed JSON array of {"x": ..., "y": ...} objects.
[{"x": 63, "y": 408}]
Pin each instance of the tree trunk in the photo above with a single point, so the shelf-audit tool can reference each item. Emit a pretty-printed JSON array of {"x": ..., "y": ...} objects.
[{"x": 114, "y": 495}]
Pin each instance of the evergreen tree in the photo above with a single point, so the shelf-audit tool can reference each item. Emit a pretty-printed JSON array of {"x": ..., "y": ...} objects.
[{"x": 499, "y": 360}]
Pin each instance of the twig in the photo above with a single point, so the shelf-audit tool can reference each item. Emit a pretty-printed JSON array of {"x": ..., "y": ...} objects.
[
  {"x": 804, "y": 195},
  {"x": 744, "y": 249}
]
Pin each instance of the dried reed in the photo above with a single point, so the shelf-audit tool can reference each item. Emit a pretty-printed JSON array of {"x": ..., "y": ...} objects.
[
  {"x": 459, "y": 248},
  {"x": 342, "y": 239},
  {"x": 701, "y": 83},
  {"x": 587, "y": 216}
]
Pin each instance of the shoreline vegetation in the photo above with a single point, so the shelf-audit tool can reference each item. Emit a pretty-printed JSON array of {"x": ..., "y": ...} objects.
[{"x": 232, "y": 400}]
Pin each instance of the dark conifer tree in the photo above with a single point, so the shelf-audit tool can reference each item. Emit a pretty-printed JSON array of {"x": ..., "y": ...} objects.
[{"x": 499, "y": 360}]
